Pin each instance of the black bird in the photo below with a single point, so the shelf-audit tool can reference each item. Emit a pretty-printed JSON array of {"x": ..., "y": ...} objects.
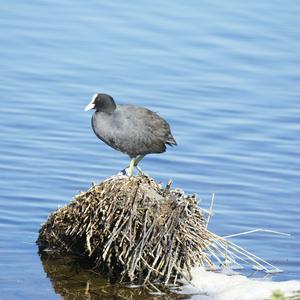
[{"x": 133, "y": 130}]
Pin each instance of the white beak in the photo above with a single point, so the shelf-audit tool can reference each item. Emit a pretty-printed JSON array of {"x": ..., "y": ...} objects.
[{"x": 90, "y": 106}]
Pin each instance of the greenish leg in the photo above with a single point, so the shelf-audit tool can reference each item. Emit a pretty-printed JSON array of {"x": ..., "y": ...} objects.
[
  {"x": 138, "y": 159},
  {"x": 140, "y": 170},
  {"x": 131, "y": 166}
]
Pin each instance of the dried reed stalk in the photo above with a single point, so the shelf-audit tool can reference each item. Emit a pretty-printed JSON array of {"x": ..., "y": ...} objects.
[{"x": 134, "y": 230}]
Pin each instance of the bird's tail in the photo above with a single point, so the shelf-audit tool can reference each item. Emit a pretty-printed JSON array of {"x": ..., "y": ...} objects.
[{"x": 171, "y": 141}]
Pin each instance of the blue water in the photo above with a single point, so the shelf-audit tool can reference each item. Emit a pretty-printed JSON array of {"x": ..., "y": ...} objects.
[{"x": 225, "y": 74}]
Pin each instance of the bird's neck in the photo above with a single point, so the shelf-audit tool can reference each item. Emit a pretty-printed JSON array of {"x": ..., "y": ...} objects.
[{"x": 108, "y": 108}]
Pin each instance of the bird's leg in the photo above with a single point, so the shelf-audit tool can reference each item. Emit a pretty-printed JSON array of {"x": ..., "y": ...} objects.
[
  {"x": 133, "y": 163},
  {"x": 131, "y": 166},
  {"x": 140, "y": 170},
  {"x": 138, "y": 159}
]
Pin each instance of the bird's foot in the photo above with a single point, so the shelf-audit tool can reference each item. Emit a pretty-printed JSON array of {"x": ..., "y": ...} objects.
[
  {"x": 126, "y": 172},
  {"x": 123, "y": 172}
]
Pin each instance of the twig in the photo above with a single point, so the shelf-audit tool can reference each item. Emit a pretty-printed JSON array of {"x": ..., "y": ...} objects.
[
  {"x": 210, "y": 209},
  {"x": 256, "y": 230}
]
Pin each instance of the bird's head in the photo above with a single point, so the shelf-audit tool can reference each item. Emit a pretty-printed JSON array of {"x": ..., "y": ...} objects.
[{"x": 102, "y": 102}]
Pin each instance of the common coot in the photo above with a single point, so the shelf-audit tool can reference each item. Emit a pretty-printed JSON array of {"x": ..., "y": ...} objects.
[{"x": 133, "y": 130}]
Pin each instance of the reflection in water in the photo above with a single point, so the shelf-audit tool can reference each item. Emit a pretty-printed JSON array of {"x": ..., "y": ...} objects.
[{"x": 73, "y": 280}]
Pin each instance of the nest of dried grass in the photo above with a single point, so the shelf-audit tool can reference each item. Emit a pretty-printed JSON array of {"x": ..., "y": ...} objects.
[{"x": 134, "y": 230}]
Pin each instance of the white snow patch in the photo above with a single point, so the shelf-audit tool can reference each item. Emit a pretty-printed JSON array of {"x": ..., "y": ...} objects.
[{"x": 220, "y": 286}]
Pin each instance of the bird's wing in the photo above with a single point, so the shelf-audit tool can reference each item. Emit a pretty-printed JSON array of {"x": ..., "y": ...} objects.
[{"x": 153, "y": 128}]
